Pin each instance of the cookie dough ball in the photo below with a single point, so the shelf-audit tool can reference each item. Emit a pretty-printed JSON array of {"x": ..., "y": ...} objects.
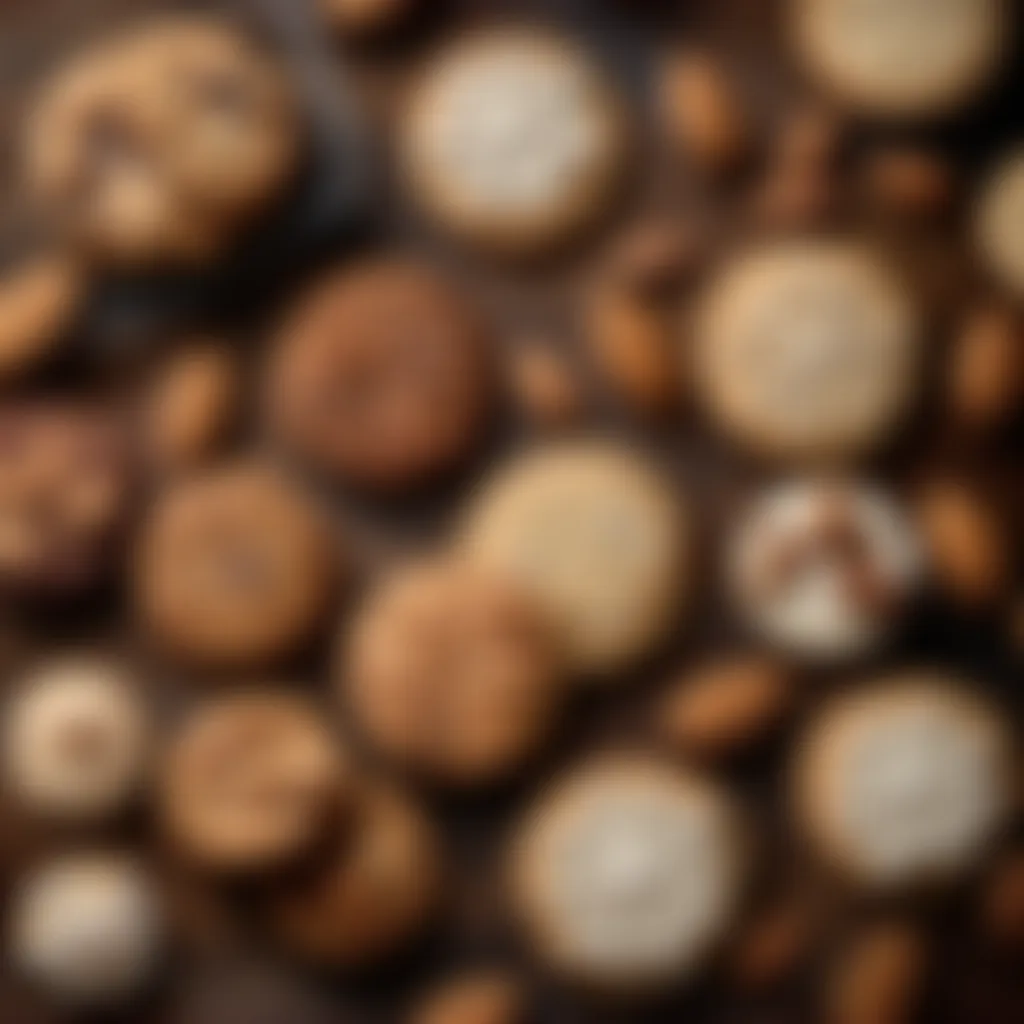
[
  {"x": 76, "y": 739},
  {"x": 915, "y": 58},
  {"x": 807, "y": 350},
  {"x": 87, "y": 928},
  {"x": 904, "y": 782},
  {"x": 381, "y": 377},
  {"x": 1000, "y": 217},
  {"x": 822, "y": 568},
  {"x": 159, "y": 145},
  {"x": 234, "y": 569},
  {"x": 373, "y": 896},
  {"x": 627, "y": 874},
  {"x": 251, "y": 782},
  {"x": 453, "y": 673},
  {"x": 597, "y": 538},
  {"x": 65, "y": 479},
  {"x": 514, "y": 140}
]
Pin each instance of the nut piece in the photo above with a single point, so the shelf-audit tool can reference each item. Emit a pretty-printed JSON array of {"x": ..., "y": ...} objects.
[
  {"x": 985, "y": 375},
  {"x": 701, "y": 112},
  {"x": 909, "y": 182},
  {"x": 1002, "y": 910},
  {"x": 652, "y": 257},
  {"x": 484, "y": 997},
  {"x": 774, "y": 943},
  {"x": 366, "y": 17},
  {"x": 809, "y": 137},
  {"x": 725, "y": 706},
  {"x": 544, "y": 385}
]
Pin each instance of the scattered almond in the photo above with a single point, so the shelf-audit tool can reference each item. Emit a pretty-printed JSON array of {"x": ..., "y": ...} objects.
[
  {"x": 794, "y": 197},
  {"x": 544, "y": 385},
  {"x": 654, "y": 256},
  {"x": 484, "y": 998},
  {"x": 1002, "y": 908},
  {"x": 985, "y": 376},
  {"x": 773, "y": 945},
  {"x": 365, "y": 17},
  {"x": 909, "y": 181},
  {"x": 808, "y": 138}
]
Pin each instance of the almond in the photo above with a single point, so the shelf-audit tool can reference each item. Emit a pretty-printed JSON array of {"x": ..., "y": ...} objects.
[
  {"x": 1002, "y": 908},
  {"x": 544, "y": 386},
  {"x": 909, "y": 181},
  {"x": 985, "y": 374},
  {"x": 484, "y": 998}
]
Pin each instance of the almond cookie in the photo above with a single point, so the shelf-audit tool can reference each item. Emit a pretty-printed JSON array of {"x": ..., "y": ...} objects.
[
  {"x": 251, "y": 782},
  {"x": 65, "y": 481},
  {"x": 807, "y": 350},
  {"x": 381, "y": 377},
  {"x": 822, "y": 568},
  {"x": 453, "y": 673},
  {"x": 87, "y": 928},
  {"x": 159, "y": 145},
  {"x": 915, "y": 58},
  {"x": 905, "y": 782},
  {"x": 373, "y": 895},
  {"x": 234, "y": 569},
  {"x": 597, "y": 537},
  {"x": 76, "y": 739},
  {"x": 514, "y": 140},
  {"x": 627, "y": 874},
  {"x": 1000, "y": 215}
]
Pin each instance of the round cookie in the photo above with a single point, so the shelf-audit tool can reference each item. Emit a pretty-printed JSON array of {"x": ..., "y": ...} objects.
[
  {"x": 514, "y": 140},
  {"x": 807, "y": 350},
  {"x": 904, "y": 782},
  {"x": 381, "y": 376},
  {"x": 373, "y": 895},
  {"x": 453, "y": 673},
  {"x": 915, "y": 58},
  {"x": 252, "y": 781},
  {"x": 628, "y": 873},
  {"x": 822, "y": 568},
  {"x": 597, "y": 537},
  {"x": 65, "y": 481},
  {"x": 159, "y": 145},
  {"x": 1000, "y": 220},
  {"x": 87, "y": 928},
  {"x": 76, "y": 739},
  {"x": 234, "y": 569}
]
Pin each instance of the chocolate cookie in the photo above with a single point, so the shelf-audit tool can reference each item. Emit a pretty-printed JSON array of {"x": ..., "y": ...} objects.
[
  {"x": 452, "y": 672},
  {"x": 381, "y": 377},
  {"x": 514, "y": 140},
  {"x": 999, "y": 218},
  {"x": 807, "y": 350},
  {"x": 252, "y": 781},
  {"x": 159, "y": 145},
  {"x": 597, "y": 537},
  {"x": 234, "y": 569},
  {"x": 65, "y": 477},
  {"x": 628, "y": 873}
]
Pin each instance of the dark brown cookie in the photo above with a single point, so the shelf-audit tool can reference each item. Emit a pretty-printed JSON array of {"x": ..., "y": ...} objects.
[
  {"x": 381, "y": 377},
  {"x": 234, "y": 569},
  {"x": 453, "y": 672}
]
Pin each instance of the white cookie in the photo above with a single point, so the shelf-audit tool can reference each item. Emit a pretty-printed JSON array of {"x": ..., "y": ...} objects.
[{"x": 1000, "y": 221}]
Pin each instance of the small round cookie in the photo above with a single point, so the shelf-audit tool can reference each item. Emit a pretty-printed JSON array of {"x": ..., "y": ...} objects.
[
  {"x": 88, "y": 928},
  {"x": 234, "y": 569},
  {"x": 914, "y": 58},
  {"x": 65, "y": 481},
  {"x": 252, "y": 781},
  {"x": 159, "y": 145},
  {"x": 453, "y": 673},
  {"x": 76, "y": 739},
  {"x": 381, "y": 376},
  {"x": 807, "y": 350},
  {"x": 597, "y": 537},
  {"x": 373, "y": 895},
  {"x": 823, "y": 567},
  {"x": 628, "y": 873},
  {"x": 904, "y": 782},
  {"x": 514, "y": 140},
  {"x": 1000, "y": 220}
]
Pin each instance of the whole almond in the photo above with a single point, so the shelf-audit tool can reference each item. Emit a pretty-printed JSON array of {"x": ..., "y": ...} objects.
[
  {"x": 985, "y": 374},
  {"x": 365, "y": 17},
  {"x": 544, "y": 386},
  {"x": 484, "y": 998},
  {"x": 809, "y": 137},
  {"x": 794, "y": 197},
  {"x": 653, "y": 256},
  {"x": 909, "y": 181},
  {"x": 1002, "y": 909},
  {"x": 773, "y": 944}
]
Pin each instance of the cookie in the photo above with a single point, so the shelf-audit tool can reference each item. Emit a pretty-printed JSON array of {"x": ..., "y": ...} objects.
[
  {"x": 904, "y": 782},
  {"x": 514, "y": 141},
  {"x": 76, "y": 740},
  {"x": 381, "y": 377},
  {"x": 161, "y": 144},
  {"x": 87, "y": 928},
  {"x": 452, "y": 673},
  {"x": 234, "y": 569},
  {"x": 477, "y": 997},
  {"x": 65, "y": 484},
  {"x": 917, "y": 58},
  {"x": 252, "y": 781},
  {"x": 627, "y": 874},
  {"x": 373, "y": 896},
  {"x": 822, "y": 568},
  {"x": 807, "y": 350},
  {"x": 1000, "y": 213},
  {"x": 597, "y": 537}
]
